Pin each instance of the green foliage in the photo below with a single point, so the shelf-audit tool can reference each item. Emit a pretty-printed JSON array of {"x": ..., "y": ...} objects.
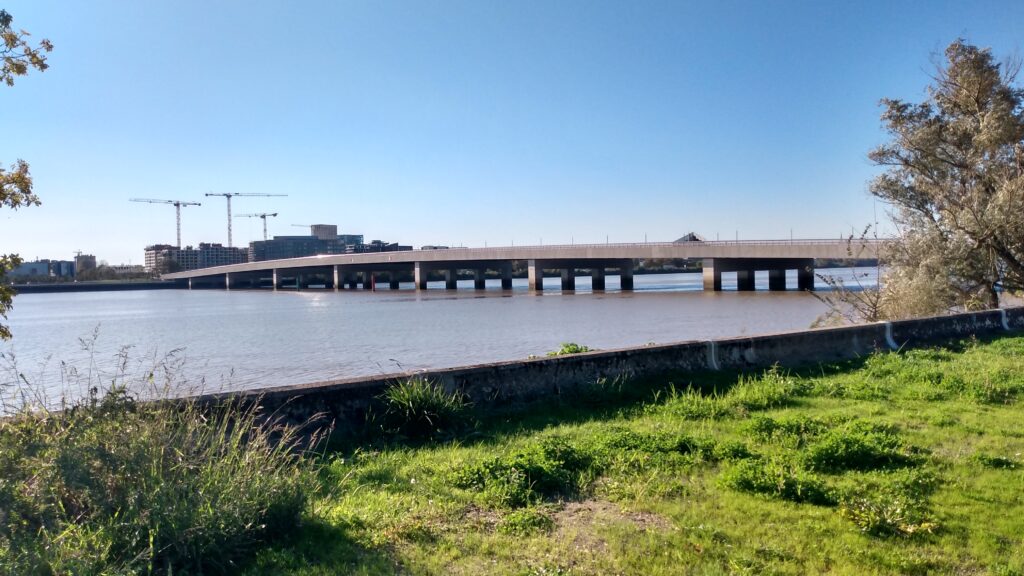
[
  {"x": 417, "y": 408},
  {"x": 545, "y": 469},
  {"x": 998, "y": 462},
  {"x": 525, "y": 521},
  {"x": 569, "y": 348},
  {"x": 955, "y": 178},
  {"x": 780, "y": 479},
  {"x": 857, "y": 445},
  {"x": 114, "y": 486},
  {"x": 16, "y": 58},
  {"x": 894, "y": 504}
]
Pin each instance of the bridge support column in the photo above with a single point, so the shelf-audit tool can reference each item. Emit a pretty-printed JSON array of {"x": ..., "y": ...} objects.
[
  {"x": 777, "y": 280},
  {"x": 568, "y": 279},
  {"x": 419, "y": 272},
  {"x": 367, "y": 280},
  {"x": 597, "y": 279},
  {"x": 506, "y": 276},
  {"x": 535, "y": 272},
  {"x": 227, "y": 281},
  {"x": 393, "y": 280},
  {"x": 480, "y": 279},
  {"x": 273, "y": 279},
  {"x": 189, "y": 283},
  {"x": 805, "y": 276},
  {"x": 745, "y": 280},
  {"x": 626, "y": 275},
  {"x": 712, "y": 276},
  {"x": 451, "y": 279},
  {"x": 336, "y": 274}
]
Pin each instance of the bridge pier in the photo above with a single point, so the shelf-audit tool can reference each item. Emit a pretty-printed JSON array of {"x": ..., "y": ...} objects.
[
  {"x": 626, "y": 275},
  {"x": 535, "y": 275},
  {"x": 451, "y": 279},
  {"x": 393, "y": 280},
  {"x": 712, "y": 275},
  {"x": 568, "y": 279},
  {"x": 777, "y": 279},
  {"x": 367, "y": 278},
  {"x": 597, "y": 279},
  {"x": 506, "y": 276},
  {"x": 480, "y": 278},
  {"x": 805, "y": 277},
  {"x": 336, "y": 275},
  {"x": 745, "y": 280},
  {"x": 419, "y": 272}
]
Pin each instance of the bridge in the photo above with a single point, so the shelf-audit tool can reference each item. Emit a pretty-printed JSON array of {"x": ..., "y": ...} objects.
[{"x": 337, "y": 271}]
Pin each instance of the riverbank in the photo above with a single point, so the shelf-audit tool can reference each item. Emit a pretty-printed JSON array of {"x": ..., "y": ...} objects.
[
  {"x": 898, "y": 462},
  {"x": 100, "y": 286}
]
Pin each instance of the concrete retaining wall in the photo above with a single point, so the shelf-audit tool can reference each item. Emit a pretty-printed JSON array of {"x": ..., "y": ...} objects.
[{"x": 500, "y": 383}]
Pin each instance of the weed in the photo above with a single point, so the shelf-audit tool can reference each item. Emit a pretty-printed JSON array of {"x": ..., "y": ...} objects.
[
  {"x": 569, "y": 348},
  {"x": 999, "y": 462},
  {"x": 417, "y": 408},
  {"x": 857, "y": 445},
  {"x": 778, "y": 479},
  {"x": 525, "y": 521}
]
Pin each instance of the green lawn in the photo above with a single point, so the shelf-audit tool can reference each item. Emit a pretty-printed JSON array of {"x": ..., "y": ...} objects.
[{"x": 899, "y": 463}]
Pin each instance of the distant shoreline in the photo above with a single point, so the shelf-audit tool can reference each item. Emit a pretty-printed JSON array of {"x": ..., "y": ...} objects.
[{"x": 93, "y": 286}]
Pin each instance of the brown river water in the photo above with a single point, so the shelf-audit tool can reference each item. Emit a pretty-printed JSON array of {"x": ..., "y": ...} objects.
[{"x": 214, "y": 340}]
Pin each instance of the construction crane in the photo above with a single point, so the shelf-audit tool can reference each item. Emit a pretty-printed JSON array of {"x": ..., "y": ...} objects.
[
  {"x": 263, "y": 216},
  {"x": 177, "y": 207},
  {"x": 229, "y": 196}
]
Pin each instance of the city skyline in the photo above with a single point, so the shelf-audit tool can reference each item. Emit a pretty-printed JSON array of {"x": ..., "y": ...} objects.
[{"x": 458, "y": 123}]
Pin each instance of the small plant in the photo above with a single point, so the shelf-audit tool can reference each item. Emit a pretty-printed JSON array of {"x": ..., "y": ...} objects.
[
  {"x": 999, "y": 462},
  {"x": 569, "y": 348},
  {"x": 856, "y": 446},
  {"x": 778, "y": 479},
  {"x": 418, "y": 408},
  {"x": 551, "y": 467},
  {"x": 526, "y": 521},
  {"x": 887, "y": 516}
]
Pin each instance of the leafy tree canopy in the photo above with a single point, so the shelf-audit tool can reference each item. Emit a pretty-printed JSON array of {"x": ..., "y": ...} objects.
[{"x": 955, "y": 180}]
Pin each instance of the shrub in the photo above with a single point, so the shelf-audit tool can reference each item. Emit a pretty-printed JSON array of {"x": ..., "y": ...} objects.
[
  {"x": 569, "y": 348},
  {"x": 778, "y": 479},
  {"x": 856, "y": 446},
  {"x": 417, "y": 408},
  {"x": 116, "y": 486}
]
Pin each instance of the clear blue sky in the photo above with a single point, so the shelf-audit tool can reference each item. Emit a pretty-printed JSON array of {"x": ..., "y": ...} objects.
[{"x": 465, "y": 123}]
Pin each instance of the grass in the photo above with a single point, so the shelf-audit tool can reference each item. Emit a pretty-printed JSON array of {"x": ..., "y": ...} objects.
[
  {"x": 899, "y": 463},
  {"x": 112, "y": 486},
  {"x": 904, "y": 463}
]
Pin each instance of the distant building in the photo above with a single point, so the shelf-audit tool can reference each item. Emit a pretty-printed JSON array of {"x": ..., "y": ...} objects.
[
  {"x": 84, "y": 262},
  {"x": 44, "y": 268},
  {"x": 164, "y": 257},
  {"x": 128, "y": 269},
  {"x": 323, "y": 239}
]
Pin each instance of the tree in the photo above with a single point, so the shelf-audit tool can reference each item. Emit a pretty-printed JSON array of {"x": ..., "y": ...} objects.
[
  {"x": 17, "y": 57},
  {"x": 955, "y": 181}
]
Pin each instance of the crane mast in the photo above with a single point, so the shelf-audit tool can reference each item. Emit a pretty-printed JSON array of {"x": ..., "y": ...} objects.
[
  {"x": 262, "y": 216},
  {"x": 177, "y": 208},
  {"x": 229, "y": 196}
]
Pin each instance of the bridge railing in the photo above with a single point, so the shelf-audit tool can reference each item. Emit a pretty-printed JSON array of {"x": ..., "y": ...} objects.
[{"x": 796, "y": 241}]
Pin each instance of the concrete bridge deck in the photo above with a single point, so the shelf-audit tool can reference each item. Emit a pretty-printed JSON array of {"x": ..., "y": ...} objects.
[{"x": 350, "y": 270}]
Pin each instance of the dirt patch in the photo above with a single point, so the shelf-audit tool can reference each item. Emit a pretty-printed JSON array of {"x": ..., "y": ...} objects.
[{"x": 578, "y": 522}]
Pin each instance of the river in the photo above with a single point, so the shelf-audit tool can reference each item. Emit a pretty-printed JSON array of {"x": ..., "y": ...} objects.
[{"x": 214, "y": 340}]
